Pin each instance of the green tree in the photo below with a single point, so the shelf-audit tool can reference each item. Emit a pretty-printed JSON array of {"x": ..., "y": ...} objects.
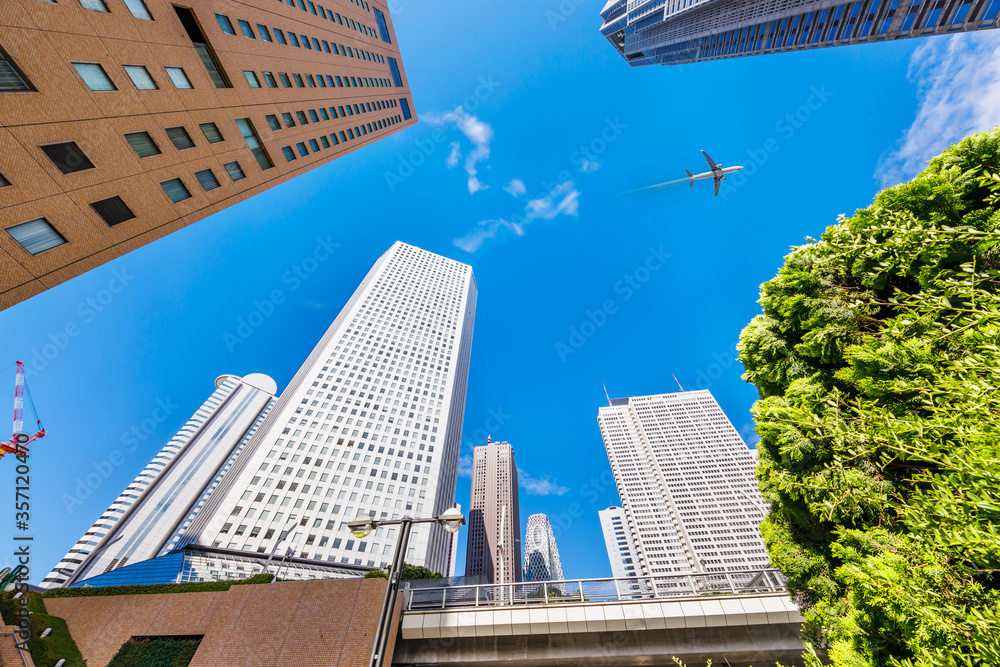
[
  {"x": 409, "y": 572},
  {"x": 877, "y": 360}
]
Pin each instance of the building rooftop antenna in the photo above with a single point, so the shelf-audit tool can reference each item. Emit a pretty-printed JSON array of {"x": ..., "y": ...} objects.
[
  {"x": 677, "y": 381},
  {"x": 606, "y": 393}
]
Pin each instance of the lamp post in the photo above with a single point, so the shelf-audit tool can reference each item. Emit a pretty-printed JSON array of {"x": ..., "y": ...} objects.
[
  {"x": 451, "y": 520},
  {"x": 289, "y": 527}
]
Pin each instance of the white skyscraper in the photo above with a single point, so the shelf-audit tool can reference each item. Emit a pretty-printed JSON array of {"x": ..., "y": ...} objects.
[
  {"x": 618, "y": 541},
  {"x": 371, "y": 423},
  {"x": 686, "y": 482},
  {"x": 541, "y": 555}
]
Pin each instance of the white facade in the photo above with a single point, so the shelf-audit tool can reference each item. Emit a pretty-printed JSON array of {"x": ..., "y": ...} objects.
[
  {"x": 686, "y": 482},
  {"x": 139, "y": 523},
  {"x": 370, "y": 424},
  {"x": 541, "y": 555},
  {"x": 618, "y": 541}
]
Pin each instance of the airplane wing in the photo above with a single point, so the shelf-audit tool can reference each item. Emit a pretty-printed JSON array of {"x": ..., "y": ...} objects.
[
  {"x": 718, "y": 181},
  {"x": 711, "y": 163}
]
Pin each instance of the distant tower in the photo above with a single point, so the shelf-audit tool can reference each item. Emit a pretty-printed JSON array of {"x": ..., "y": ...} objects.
[
  {"x": 618, "y": 541},
  {"x": 541, "y": 555},
  {"x": 686, "y": 480},
  {"x": 494, "y": 546}
]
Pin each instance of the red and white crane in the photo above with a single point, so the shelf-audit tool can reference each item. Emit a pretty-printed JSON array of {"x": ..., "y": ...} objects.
[{"x": 19, "y": 441}]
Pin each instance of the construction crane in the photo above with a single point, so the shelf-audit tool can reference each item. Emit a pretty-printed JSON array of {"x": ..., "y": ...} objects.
[{"x": 19, "y": 441}]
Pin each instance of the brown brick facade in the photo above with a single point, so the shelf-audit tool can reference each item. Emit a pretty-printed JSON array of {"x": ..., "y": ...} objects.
[
  {"x": 294, "y": 624},
  {"x": 43, "y": 39}
]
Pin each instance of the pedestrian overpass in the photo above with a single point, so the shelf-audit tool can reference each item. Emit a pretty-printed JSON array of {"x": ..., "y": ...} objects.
[{"x": 739, "y": 618}]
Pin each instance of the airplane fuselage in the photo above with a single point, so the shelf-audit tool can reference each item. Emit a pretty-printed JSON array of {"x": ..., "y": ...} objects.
[{"x": 715, "y": 173}]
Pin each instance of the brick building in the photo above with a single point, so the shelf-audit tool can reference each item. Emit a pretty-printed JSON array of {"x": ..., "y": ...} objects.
[{"x": 124, "y": 120}]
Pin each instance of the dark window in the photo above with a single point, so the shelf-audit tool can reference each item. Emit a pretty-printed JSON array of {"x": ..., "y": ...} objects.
[
  {"x": 303, "y": 151},
  {"x": 11, "y": 78},
  {"x": 176, "y": 190},
  {"x": 253, "y": 143},
  {"x": 68, "y": 157},
  {"x": 284, "y": 80},
  {"x": 394, "y": 69},
  {"x": 298, "y": 80},
  {"x": 225, "y": 24},
  {"x": 207, "y": 179},
  {"x": 182, "y": 140},
  {"x": 315, "y": 147},
  {"x": 325, "y": 142},
  {"x": 211, "y": 132},
  {"x": 234, "y": 170},
  {"x": 247, "y": 30},
  {"x": 201, "y": 45},
  {"x": 280, "y": 35},
  {"x": 143, "y": 144},
  {"x": 3, "y": 181},
  {"x": 323, "y": 113},
  {"x": 295, "y": 40},
  {"x": 405, "y": 106},
  {"x": 269, "y": 78},
  {"x": 264, "y": 33},
  {"x": 289, "y": 121},
  {"x": 382, "y": 27},
  {"x": 289, "y": 155},
  {"x": 36, "y": 236},
  {"x": 113, "y": 210},
  {"x": 312, "y": 114},
  {"x": 272, "y": 120},
  {"x": 302, "y": 117},
  {"x": 334, "y": 138}
]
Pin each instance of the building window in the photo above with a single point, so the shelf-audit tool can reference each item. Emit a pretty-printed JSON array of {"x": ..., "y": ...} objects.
[
  {"x": 36, "y": 236},
  {"x": 247, "y": 30},
  {"x": 272, "y": 120},
  {"x": 96, "y": 5},
  {"x": 382, "y": 27},
  {"x": 211, "y": 132},
  {"x": 3, "y": 181},
  {"x": 289, "y": 155},
  {"x": 94, "y": 76},
  {"x": 10, "y": 77},
  {"x": 280, "y": 36},
  {"x": 234, "y": 170},
  {"x": 225, "y": 24},
  {"x": 67, "y": 157},
  {"x": 394, "y": 69},
  {"x": 269, "y": 79},
  {"x": 180, "y": 78},
  {"x": 207, "y": 179},
  {"x": 253, "y": 143},
  {"x": 180, "y": 137},
  {"x": 264, "y": 33},
  {"x": 303, "y": 151},
  {"x": 140, "y": 77},
  {"x": 302, "y": 117},
  {"x": 295, "y": 40},
  {"x": 113, "y": 210},
  {"x": 176, "y": 190},
  {"x": 298, "y": 81},
  {"x": 314, "y": 145},
  {"x": 139, "y": 9},
  {"x": 252, "y": 78},
  {"x": 143, "y": 144},
  {"x": 325, "y": 141},
  {"x": 201, "y": 45},
  {"x": 284, "y": 80},
  {"x": 405, "y": 107},
  {"x": 289, "y": 121}
]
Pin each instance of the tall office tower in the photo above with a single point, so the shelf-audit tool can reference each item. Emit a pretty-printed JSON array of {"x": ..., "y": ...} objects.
[
  {"x": 370, "y": 424},
  {"x": 494, "y": 547},
  {"x": 686, "y": 480},
  {"x": 125, "y": 121},
  {"x": 618, "y": 541},
  {"x": 687, "y": 31},
  {"x": 541, "y": 555}
]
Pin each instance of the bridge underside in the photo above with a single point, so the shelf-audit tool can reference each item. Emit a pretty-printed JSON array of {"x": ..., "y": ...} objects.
[{"x": 736, "y": 646}]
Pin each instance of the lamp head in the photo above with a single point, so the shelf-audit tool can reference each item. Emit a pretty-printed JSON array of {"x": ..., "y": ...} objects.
[
  {"x": 451, "y": 519},
  {"x": 362, "y": 526}
]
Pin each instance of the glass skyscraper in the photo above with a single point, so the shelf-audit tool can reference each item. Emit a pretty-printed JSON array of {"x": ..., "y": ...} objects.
[
  {"x": 541, "y": 555},
  {"x": 370, "y": 424},
  {"x": 673, "y": 32}
]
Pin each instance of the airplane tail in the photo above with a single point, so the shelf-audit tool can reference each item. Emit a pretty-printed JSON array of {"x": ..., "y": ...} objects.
[{"x": 690, "y": 177}]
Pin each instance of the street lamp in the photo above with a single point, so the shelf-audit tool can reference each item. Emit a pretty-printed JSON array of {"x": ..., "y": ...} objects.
[
  {"x": 451, "y": 520},
  {"x": 281, "y": 538}
]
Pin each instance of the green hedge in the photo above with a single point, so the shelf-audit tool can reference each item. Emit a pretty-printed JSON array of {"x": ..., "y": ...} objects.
[
  {"x": 45, "y": 651},
  {"x": 156, "y": 652},
  {"x": 150, "y": 589}
]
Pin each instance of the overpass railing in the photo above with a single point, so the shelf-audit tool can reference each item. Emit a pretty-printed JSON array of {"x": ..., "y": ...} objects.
[{"x": 597, "y": 590}]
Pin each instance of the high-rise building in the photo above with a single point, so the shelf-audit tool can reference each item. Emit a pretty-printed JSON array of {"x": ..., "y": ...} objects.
[
  {"x": 687, "y": 31},
  {"x": 686, "y": 480},
  {"x": 541, "y": 555},
  {"x": 370, "y": 424},
  {"x": 618, "y": 541},
  {"x": 125, "y": 121},
  {"x": 493, "y": 550}
]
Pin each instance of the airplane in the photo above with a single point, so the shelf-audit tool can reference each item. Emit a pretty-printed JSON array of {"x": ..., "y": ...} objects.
[{"x": 718, "y": 173}]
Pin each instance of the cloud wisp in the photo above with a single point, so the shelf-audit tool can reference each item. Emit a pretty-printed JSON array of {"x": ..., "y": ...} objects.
[
  {"x": 564, "y": 199},
  {"x": 539, "y": 486},
  {"x": 478, "y": 132},
  {"x": 515, "y": 188},
  {"x": 959, "y": 93}
]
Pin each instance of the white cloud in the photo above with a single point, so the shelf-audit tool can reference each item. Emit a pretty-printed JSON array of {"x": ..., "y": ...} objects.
[
  {"x": 542, "y": 486},
  {"x": 476, "y": 131},
  {"x": 455, "y": 156},
  {"x": 587, "y": 166},
  {"x": 516, "y": 187},
  {"x": 959, "y": 91},
  {"x": 564, "y": 199},
  {"x": 465, "y": 465}
]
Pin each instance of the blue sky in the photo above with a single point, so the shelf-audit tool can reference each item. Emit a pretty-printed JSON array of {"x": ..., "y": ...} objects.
[{"x": 557, "y": 127}]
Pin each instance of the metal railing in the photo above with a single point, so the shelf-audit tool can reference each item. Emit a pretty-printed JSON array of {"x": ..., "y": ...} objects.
[{"x": 572, "y": 591}]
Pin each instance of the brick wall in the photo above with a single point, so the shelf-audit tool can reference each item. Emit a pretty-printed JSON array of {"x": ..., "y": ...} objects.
[{"x": 329, "y": 622}]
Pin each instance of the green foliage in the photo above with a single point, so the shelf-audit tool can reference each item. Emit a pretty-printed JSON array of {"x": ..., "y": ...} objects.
[
  {"x": 156, "y": 652},
  {"x": 877, "y": 359},
  {"x": 409, "y": 572},
  {"x": 45, "y": 651},
  {"x": 147, "y": 589}
]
